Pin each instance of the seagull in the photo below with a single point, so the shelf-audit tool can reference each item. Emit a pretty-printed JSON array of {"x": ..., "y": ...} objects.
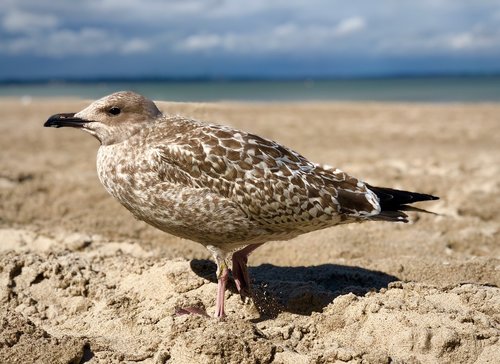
[{"x": 227, "y": 189}]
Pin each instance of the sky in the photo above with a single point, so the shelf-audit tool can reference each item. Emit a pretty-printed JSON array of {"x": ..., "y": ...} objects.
[{"x": 51, "y": 39}]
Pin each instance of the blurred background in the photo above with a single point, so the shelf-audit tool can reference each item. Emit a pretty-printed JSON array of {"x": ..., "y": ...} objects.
[{"x": 199, "y": 50}]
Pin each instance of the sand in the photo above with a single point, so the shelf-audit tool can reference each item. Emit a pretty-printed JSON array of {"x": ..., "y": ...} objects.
[{"x": 81, "y": 281}]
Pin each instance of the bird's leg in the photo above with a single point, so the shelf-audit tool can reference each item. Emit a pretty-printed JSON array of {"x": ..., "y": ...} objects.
[
  {"x": 222, "y": 277},
  {"x": 240, "y": 271}
]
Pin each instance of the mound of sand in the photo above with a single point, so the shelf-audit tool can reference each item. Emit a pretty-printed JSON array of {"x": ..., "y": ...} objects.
[{"x": 81, "y": 281}]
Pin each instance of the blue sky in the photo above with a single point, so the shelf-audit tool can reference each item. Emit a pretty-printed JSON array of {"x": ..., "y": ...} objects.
[{"x": 216, "y": 38}]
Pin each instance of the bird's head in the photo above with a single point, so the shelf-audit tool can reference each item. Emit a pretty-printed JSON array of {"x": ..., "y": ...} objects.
[{"x": 112, "y": 119}]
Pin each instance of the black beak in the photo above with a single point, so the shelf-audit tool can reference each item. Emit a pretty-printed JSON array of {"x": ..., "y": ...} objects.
[{"x": 60, "y": 120}]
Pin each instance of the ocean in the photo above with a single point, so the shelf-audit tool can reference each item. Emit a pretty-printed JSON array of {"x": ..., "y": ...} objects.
[{"x": 414, "y": 89}]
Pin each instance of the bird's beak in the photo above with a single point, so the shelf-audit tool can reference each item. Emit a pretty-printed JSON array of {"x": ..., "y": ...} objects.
[{"x": 68, "y": 119}]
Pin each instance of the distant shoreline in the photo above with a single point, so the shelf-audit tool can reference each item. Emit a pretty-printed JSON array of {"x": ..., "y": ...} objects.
[
  {"x": 231, "y": 79},
  {"x": 435, "y": 88}
]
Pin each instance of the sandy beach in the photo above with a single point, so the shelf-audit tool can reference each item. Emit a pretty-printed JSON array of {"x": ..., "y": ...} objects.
[{"x": 82, "y": 281}]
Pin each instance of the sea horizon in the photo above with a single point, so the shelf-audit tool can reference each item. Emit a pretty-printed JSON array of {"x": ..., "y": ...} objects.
[{"x": 402, "y": 88}]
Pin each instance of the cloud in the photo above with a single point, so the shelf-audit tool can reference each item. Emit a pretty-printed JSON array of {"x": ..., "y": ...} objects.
[
  {"x": 288, "y": 37},
  {"x": 152, "y": 8},
  {"x": 200, "y": 42},
  {"x": 262, "y": 28},
  {"x": 317, "y": 32},
  {"x": 60, "y": 43},
  {"x": 473, "y": 41},
  {"x": 476, "y": 41},
  {"x": 462, "y": 41},
  {"x": 85, "y": 42},
  {"x": 135, "y": 45},
  {"x": 350, "y": 25},
  {"x": 25, "y": 22}
]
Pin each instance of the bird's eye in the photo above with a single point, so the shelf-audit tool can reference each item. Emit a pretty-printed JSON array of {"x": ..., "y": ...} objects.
[{"x": 114, "y": 111}]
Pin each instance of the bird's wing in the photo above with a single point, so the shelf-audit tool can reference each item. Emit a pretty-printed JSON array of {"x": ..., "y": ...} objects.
[{"x": 268, "y": 181}]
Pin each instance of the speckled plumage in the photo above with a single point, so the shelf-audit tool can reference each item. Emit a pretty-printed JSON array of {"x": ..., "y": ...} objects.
[
  {"x": 218, "y": 186},
  {"x": 223, "y": 187}
]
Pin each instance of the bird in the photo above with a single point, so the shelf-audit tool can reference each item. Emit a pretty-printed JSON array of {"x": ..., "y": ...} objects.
[{"x": 227, "y": 189}]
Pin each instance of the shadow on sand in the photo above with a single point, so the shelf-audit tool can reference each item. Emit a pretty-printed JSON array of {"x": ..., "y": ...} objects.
[{"x": 301, "y": 290}]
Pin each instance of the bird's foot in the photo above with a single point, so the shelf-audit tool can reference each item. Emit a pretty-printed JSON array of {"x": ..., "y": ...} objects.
[
  {"x": 240, "y": 272},
  {"x": 244, "y": 290},
  {"x": 246, "y": 299},
  {"x": 241, "y": 278}
]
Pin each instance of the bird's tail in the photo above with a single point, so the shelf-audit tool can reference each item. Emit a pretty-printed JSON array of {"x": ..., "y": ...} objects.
[{"x": 394, "y": 202}]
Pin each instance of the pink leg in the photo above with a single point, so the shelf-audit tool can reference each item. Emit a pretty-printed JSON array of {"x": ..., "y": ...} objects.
[
  {"x": 240, "y": 271},
  {"x": 221, "y": 290},
  {"x": 222, "y": 277}
]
